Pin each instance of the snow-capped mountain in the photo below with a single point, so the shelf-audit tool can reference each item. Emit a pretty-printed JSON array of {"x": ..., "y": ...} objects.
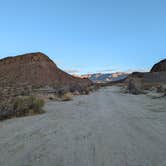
[{"x": 107, "y": 77}]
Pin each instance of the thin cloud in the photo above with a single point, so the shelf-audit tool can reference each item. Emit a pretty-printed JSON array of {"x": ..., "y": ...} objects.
[
  {"x": 106, "y": 71},
  {"x": 70, "y": 71},
  {"x": 136, "y": 70}
]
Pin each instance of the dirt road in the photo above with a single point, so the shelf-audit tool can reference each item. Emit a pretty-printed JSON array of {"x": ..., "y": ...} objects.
[{"x": 106, "y": 128}]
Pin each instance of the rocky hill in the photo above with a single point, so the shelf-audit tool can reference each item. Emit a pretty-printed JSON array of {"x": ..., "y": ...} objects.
[
  {"x": 156, "y": 75},
  {"x": 154, "y": 79},
  {"x": 160, "y": 66},
  {"x": 36, "y": 69}
]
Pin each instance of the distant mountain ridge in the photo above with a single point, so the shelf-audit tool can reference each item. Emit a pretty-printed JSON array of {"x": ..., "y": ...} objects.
[{"x": 106, "y": 77}]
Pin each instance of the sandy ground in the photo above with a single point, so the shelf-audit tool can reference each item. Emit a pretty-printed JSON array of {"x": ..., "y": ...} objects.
[{"x": 106, "y": 128}]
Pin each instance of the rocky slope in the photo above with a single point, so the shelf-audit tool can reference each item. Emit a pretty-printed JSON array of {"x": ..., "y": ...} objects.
[
  {"x": 159, "y": 67},
  {"x": 35, "y": 70},
  {"x": 155, "y": 79}
]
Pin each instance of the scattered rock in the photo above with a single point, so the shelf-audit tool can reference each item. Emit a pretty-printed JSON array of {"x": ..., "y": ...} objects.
[
  {"x": 135, "y": 86},
  {"x": 161, "y": 89}
]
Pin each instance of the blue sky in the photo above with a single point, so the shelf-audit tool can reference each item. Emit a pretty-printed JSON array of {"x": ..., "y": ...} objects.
[{"x": 86, "y": 35}]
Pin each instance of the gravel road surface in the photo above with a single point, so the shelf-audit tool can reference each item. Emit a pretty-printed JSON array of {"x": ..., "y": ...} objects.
[{"x": 105, "y": 128}]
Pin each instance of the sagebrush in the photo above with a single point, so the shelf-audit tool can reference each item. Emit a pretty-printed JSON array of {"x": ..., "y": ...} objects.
[{"x": 21, "y": 106}]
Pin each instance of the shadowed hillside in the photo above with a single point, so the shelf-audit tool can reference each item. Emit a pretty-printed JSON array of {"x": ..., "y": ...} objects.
[
  {"x": 160, "y": 66},
  {"x": 34, "y": 71}
]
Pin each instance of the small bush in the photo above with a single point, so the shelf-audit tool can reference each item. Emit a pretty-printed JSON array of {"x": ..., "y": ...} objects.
[
  {"x": 21, "y": 106},
  {"x": 67, "y": 97}
]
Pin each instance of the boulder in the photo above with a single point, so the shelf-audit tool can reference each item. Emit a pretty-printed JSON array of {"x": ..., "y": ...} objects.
[
  {"x": 135, "y": 86},
  {"x": 161, "y": 89}
]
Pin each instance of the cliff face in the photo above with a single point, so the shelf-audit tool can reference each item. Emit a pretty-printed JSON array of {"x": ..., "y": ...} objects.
[
  {"x": 35, "y": 69},
  {"x": 159, "y": 67}
]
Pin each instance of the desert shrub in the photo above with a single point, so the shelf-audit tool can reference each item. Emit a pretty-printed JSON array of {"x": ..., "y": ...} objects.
[
  {"x": 21, "y": 106},
  {"x": 25, "y": 91},
  {"x": 92, "y": 88},
  {"x": 24, "y": 105},
  {"x": 66, "y": 97},
  {"x": 34, "y": 87},
  {"x": 50, "y": 98},
  {"x": 96, "y": 87},
  {"x": 75, "y": 88},
  {"x": 86, "y": 91},
  {"x": 83, "y": 90},
  {"x": 62, "y": 90}
]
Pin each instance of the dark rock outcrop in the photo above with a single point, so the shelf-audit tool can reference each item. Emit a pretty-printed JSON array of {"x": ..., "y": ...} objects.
[{"x": 159, "y": 67}]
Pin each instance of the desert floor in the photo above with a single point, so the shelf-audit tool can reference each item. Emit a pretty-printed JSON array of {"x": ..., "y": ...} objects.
[{"x": 105, "y": 128}]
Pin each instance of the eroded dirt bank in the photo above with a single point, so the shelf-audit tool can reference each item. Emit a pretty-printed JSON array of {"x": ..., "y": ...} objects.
[{"x": 106, "y": 128}]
